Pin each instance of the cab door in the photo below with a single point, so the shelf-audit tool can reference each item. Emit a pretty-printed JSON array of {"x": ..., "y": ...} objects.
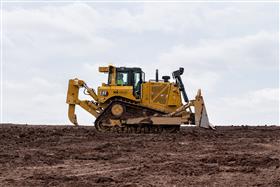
[{"x": 137, "y": 81}]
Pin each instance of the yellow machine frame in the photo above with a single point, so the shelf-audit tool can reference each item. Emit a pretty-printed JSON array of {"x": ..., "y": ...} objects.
[{"x": 161, "y": 96}]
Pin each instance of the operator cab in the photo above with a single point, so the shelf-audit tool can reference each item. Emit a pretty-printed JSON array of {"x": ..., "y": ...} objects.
[
  {"x": 123, "y": 76},
  {"x": 130, "y": 77}
]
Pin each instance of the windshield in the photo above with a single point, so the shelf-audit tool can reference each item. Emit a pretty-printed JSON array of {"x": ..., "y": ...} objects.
[{"x": 122, "y": 78}]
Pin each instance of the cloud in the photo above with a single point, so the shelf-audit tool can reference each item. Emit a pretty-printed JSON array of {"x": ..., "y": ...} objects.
[
  {"x": 187, "y": 18},
  {"x": 51, "y": 33},
  {"x": 37, "y": 100},
  {"x": 228, "y": 50},
  {"x": 258, "y": 97},
  {"x": 246, "y": 52},
  {"x": 256, "y": 107}
]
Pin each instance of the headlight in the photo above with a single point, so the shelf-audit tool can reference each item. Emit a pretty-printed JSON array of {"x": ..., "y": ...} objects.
[{"x": 103, "y": 93}]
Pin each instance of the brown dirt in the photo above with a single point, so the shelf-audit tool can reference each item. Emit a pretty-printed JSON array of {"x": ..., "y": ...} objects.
[{"x": 71, "y": 156}]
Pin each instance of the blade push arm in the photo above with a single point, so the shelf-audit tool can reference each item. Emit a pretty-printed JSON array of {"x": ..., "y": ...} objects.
[{"x": 200, "y": 113}]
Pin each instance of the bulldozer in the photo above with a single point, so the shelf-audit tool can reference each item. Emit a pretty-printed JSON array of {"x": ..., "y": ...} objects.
[{"x": 129, "y": 103}]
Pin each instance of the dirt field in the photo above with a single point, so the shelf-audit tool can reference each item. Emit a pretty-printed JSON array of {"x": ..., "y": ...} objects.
[{"x": 70, "y": 156}]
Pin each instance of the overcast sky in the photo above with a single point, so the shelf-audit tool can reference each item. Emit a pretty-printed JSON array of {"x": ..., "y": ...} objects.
[{"x": 229, "y": 50}]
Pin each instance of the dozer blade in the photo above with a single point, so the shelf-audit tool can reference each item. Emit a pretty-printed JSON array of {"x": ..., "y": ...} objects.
[
  {"x": 204, "y": 121},
  {"x": 201, "y": 117}
]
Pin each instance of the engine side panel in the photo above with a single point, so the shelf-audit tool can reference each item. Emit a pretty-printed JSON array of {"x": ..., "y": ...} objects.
[{"x": 164, "y": 96}]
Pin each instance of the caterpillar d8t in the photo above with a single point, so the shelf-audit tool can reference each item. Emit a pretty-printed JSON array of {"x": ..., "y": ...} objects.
[{"x": 128, "y": 103}]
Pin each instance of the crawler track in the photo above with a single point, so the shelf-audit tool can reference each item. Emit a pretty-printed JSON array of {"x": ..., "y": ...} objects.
[{"x": 131, "y": 110}]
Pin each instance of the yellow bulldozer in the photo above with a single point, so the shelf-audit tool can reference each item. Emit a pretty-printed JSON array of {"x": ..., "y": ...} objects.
[{"x": 129, "y": 103}]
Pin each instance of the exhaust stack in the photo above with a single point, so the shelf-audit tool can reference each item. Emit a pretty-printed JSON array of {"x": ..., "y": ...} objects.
[{"x": 156, "y": 75}]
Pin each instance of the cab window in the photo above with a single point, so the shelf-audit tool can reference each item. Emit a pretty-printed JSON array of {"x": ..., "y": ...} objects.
[
  {"x": 122, "y": 78},
  {"x": 137, "y": 84},
  {"x": 136, "y": 79}
]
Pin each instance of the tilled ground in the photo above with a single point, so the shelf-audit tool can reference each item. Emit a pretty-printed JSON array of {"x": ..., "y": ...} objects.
[{"x": 71, "y": 156}]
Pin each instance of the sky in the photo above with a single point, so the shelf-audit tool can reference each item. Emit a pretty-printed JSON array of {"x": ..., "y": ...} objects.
[{"x": 229, "y": 50}]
